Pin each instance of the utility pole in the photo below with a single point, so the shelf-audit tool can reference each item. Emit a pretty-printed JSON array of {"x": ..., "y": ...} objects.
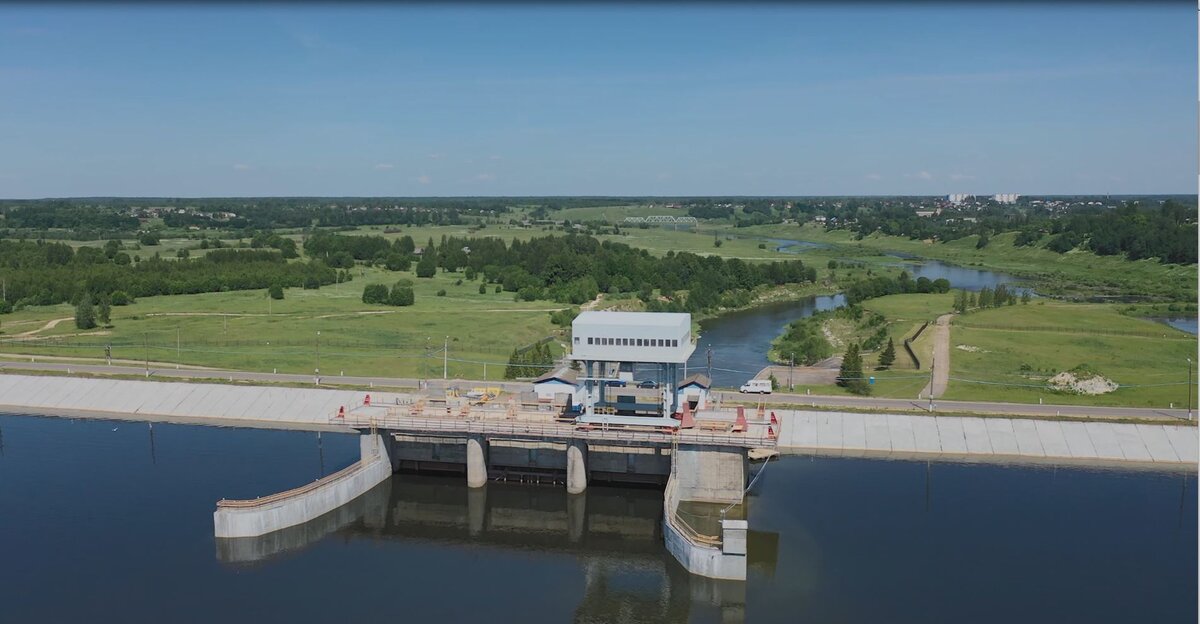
[
  {"x": 317, "y": 370},
  {"x": 709, "y": 354},
  {"x": 445, "y": 357},
  {"x": 791, "y": 366},
  {"x": 146, "y": 350},
  {"x": 1189, "y": 389},
  {"x": 178, "y": 357},
  {"x": 932, "y": 364}
]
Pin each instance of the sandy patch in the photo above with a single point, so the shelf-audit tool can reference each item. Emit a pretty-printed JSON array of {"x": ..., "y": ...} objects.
[{"x": 1083, "y": 383}]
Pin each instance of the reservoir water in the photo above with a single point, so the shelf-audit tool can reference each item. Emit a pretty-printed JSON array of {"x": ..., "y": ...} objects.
[{"x": 104, "y": 522}]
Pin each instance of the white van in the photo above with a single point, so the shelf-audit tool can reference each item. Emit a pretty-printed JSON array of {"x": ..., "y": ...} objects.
[{"x": 760, "y": 386}]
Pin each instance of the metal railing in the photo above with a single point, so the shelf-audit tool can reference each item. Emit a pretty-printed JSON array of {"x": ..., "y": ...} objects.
[
  {"x": 346, "y": 472},
  {"x": 670, "y": 512},
  {"x": 561, "y": 431}
]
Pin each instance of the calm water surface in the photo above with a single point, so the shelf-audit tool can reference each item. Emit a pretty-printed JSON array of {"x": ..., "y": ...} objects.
[
  {"x": 101, "y": 524},
  {"x": 1182, "y": 323}
]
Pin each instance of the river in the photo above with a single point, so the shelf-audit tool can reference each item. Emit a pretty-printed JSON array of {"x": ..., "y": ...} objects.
[
  {"x": 103, "y": 521},
  {"x": 740, "y": 340}
]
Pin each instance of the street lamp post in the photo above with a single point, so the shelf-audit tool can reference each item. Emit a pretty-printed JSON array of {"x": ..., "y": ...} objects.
[
  {"x": 445, "y": 357},
  {"x": 317, "y": 370}
]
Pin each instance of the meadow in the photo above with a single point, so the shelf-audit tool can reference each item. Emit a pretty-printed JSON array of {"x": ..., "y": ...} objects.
[{"x": 247, "y": 330}]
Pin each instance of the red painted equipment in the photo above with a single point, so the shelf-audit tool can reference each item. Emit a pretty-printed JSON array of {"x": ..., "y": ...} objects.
[
  {"x": 774, "y": 421},
  {"x": 367, "y": 401},
  {"x": 686, "y": 421},
  {"x": 739, "y": 425},
  {"x": 770, "y": 432},
  {"x": 341, "y": 411}
]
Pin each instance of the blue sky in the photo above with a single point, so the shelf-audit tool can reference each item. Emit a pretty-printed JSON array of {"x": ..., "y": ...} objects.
[{"x": 675, "y": 99}]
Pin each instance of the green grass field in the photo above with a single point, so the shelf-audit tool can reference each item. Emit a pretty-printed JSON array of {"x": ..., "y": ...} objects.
[
  {"x": 1014, "y": 349},
  {"x": 247, "y": 330}
]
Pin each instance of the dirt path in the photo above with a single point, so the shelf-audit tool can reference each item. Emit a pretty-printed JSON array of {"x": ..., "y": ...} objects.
[
  {"x": 49, "y": 325},
  {"x": 941, "y": 358}
]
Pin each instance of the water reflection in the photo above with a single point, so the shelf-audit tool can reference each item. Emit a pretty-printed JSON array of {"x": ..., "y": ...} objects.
[
  {"x": 614, "y": 533},
  {"x": 1182, "y": 323}
]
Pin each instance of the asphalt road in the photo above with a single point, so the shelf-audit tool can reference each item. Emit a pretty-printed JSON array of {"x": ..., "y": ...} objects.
[{"x": 779, "y": 398}]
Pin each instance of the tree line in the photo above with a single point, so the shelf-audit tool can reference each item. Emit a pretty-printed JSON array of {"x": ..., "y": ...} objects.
[
  {"x": 572, "y": 269},
  {"x": 45, "y": 273}
]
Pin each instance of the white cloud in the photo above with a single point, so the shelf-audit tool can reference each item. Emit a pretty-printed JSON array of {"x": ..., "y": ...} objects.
[
  {"x": 424, "y": 179},
  {"x": 486, "y": 177},
  {"x": 924, "y": 175},
  {"x": 241, "y": 167},
  {"x": 961, "y": 176},
  {"x": 384, "y": 166},
  {"x": 873, "y": 176}
]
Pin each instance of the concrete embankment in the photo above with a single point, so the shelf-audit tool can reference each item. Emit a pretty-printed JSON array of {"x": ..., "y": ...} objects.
[
  {"x": 192, "y": 403},
  {"x": 250, "y": 518},
  {"x": 990, "y": 439}
]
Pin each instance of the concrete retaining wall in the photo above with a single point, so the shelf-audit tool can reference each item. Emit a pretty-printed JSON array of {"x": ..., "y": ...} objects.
[
  {"x": 251, "y": 518},
  {"x": 700, "y": 559}
]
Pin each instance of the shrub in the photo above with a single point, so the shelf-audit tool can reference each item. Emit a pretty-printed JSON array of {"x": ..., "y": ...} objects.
[
  {"x": 401, "y": 296},
  {"x": 275, "y": 291},
  {"x": 375, "y": 293},
  {"x": 441, "y": 293},
  {"x": 120, "y": 298}
]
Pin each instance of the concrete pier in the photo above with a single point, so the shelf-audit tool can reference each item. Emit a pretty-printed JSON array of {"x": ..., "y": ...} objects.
[
  {"x": 477, "y": 460},
  {"x": 711, "y": 474},
  {"x": 576, "y": 466}
]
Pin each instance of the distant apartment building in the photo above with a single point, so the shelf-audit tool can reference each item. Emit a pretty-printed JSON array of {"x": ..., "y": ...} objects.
[
  {"x": 1006, "y": 198},
  {"x": 958, "y": 198}
]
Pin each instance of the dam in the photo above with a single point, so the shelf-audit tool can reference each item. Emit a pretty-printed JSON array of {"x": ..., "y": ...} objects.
[{"x": 588, "y": 422}]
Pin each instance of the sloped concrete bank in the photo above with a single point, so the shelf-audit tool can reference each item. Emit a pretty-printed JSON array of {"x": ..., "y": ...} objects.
[
  {"x": 250, "y": 518},
  {"x": 266, "y": 407},
  {"x": 1128, "y": 445}
]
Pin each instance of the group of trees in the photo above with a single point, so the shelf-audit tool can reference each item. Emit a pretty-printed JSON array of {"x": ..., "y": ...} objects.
[
  {"x": 88, "y": 314},
  {"x": 850, "y": 375},
  {"x": 1168, "y": 233},
  {"x": 883, "y": 285},
  {"x": 988, "y": 298},
  {"x": 531, "y": 361},
  {"x": 45, "y": 273},
  {"x": 1137, "y": 231},
  {"x": 804, "y": 341},
  {"x": 574, "y": 269},
  {"x": 401, "y": 294}
]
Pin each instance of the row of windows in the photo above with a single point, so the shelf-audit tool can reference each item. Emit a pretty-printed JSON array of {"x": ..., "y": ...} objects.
[{"x": 632, "y": 342}]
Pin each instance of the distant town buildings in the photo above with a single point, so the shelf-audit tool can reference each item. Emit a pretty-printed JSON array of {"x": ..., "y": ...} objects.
[
  {"x": 1006, "y": 198},
  {"x": 958, "y": 198}
]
